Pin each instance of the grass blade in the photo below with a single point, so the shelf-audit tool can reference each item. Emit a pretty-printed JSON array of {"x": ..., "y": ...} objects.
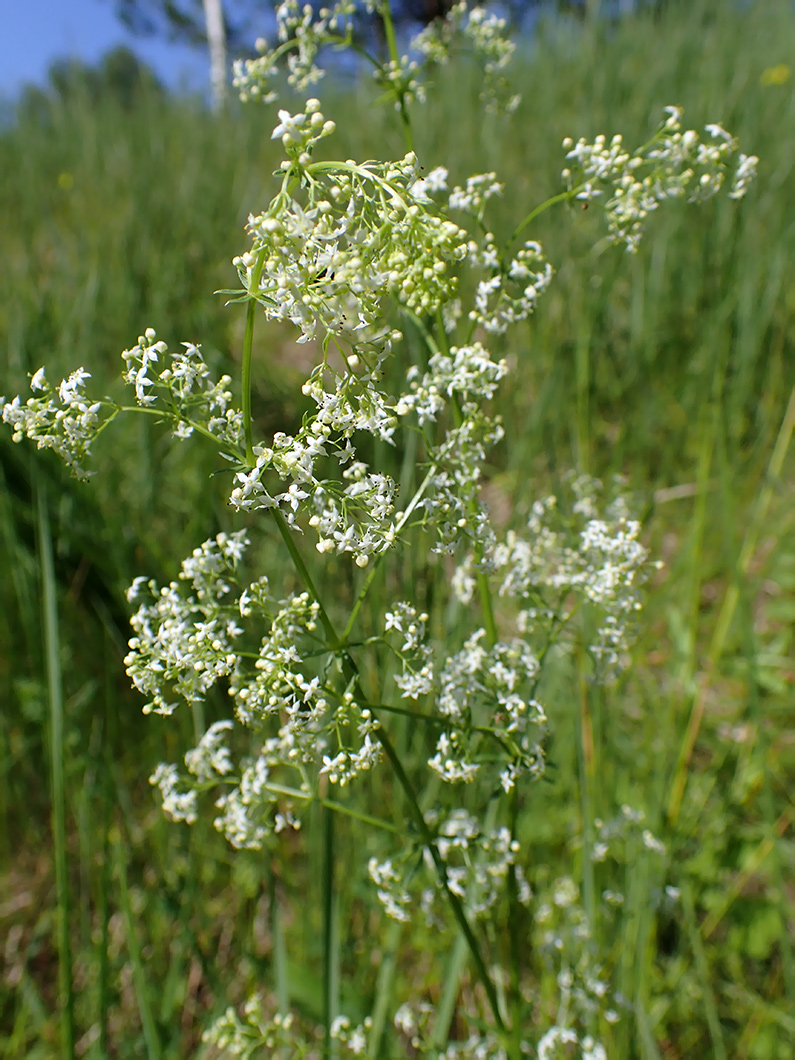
[
  {"x": 58, "y": 797},
  {"x": 151, "y": 1037}
]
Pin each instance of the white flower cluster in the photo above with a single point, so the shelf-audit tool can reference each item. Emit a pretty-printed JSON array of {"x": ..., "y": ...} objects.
[
  {"x": 467, "y": 372},
  {"x": 67, "y": 421},
  {"x": 257, "y": 806},
  {"x": 64, "y": 420},
  {"x": 185, "y": 641},
  {"x": 416, "y": 656},
  {"x": 492, "y": 719},
  {"x": 315, "y": 721},
  {"x": 585, "y": 995},
  {"x": 404, "y": 78},
  {"x": 255, "y": 1034},
  {"x": 476, "y": 862},
  {"x": 352, "y": 1039},
  {"x": 415, "y": 1023},
  {"x": 433, "y": 183},
  {"x": 328, "y": 262},
  {"x": 509, "y": 294},
  {"x": 587, "y": 557},
  {"x": 354, "y": 515},
  {"x": 300, "y": 132},
  {"x": 184, "y": 389},
  {"x": 180, "y": 801},
  {"x": 485, "y": 34},
  {"x": 563, "y": 1043},
  {"x": 302, "y": 31},
  {"x": 583, "y": 972},
  {"x": 465, "y": 376},
  {"x": 480, "y": 187},
  {"x": 510, "y": 291},
  {"x": 210, "y": 759},
  {"x": 481, "y": 698},
  {"x": 453, "y": 504},
  {"x": 674, "y": 164},
  {"x": 622, "y": 837}
]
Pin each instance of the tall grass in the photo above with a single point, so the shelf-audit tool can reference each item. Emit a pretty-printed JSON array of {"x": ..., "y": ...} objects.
[{"x": 673, "y": 368}]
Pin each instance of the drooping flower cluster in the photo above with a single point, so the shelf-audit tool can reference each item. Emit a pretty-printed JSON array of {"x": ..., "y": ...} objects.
[
  {"x": 182, "y": 388},
  {"x": 64, "y": 420},
  {"x": 588, "y": 1003},
  {"x": 674, "y": 164},
  {"x": 511, "y": 289},
  {"x": 303, "y": 31},
  {"x": 465, "y": 377},
  {"x": 197, "y": 630},
  {"x": 484, "y": 34},
  {"x": 482, "y": 699},
  {"x": 567, "y": 559},
  {"x": 476, "y": 864}
]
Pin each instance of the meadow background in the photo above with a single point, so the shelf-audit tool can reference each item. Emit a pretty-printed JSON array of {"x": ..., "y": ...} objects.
[{"x": 121, "y": 209}]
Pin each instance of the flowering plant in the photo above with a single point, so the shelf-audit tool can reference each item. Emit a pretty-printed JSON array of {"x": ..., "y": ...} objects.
[{"x": 352, "y": 254}]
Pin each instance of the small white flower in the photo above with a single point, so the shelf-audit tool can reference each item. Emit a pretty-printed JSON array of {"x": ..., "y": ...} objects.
[{"x": 289, "y": 127}]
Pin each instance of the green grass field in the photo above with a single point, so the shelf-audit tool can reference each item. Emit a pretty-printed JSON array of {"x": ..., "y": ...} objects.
[{"x": 673, "y": 368}]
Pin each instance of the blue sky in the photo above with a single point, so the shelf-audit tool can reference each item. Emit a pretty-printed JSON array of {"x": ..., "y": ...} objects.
[{"x": 35, "y": 32}]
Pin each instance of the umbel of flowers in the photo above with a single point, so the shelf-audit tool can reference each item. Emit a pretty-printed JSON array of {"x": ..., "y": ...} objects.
[{"x": 349, "y": 253}]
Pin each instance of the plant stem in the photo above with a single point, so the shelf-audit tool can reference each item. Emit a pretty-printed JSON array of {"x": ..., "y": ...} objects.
[
  {"x": 514, "y": 910},
  {"x": 560, "y": 197},
  {"x": 330, "y": 978},
  {"x": 248, "y": 343},
  {"x": 52, "y": 652},
  {"x": 351, "y": 672},
  {"x": 453, "y": 899},
  {"x": 415, "y": 500},
  {"x": 391, "y": 43}
]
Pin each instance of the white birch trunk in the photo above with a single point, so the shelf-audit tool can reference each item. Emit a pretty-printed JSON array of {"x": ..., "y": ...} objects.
[{"x": 216, "y": 38}]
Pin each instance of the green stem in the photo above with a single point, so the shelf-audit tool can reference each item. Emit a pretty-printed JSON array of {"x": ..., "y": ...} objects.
[
  {"x": 486, "y": 604},
  {"x": 52, "y": 651},
  {"x": 391, "y": 43},
  {"x": 515, "y": 938},
  {"x": 248, "y": 343},
  {"x": 334, "y": 642},
  {"x": 560, "y": 197},
  {"x": 331, "y": 804},
  {"x": 351, "y": 673},
  {"x": 329, "y": 931},
  {"x": 164, "y": 414},
  {"x": 454, "y": 901},
  {"x": 415, "y": 500},
  {"x": 586, "y": 755}
]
